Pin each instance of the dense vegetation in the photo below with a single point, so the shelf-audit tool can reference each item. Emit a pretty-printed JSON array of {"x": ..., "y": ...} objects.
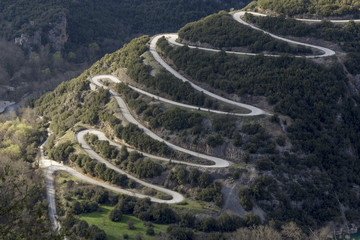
[
  {"x": 172, "y": 118},
  {"x": 189, "y": 125},
  {"x": 347, "y": 36},
  {"x": 60, "y": 39},
  {"x": 132, "y": 162},
  {"x": 323, "y": 8},
  {"x": 304, "y": 184},
  {"x": 181, "y": 222},
  {"x": 207, "y": 190},
  {"x": 309, "y": 94},
  {"x": 222, "y": 31},
  {"x": 23, "y": 213},
  {"x": 82, "y": 104},
  {"x": 276, "y": 78},
  {"x": 91, "y": 20}
]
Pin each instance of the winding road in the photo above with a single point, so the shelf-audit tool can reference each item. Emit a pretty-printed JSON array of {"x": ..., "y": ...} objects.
[
  {"x": 254, "y": 111},
  {"x": 96, "y": 81},
  {"x": 80, "y": 137},
  {"x": 50, "y": 166},
  {"x": 326, "y": 51},
  {"x": 219, "y": 162}
]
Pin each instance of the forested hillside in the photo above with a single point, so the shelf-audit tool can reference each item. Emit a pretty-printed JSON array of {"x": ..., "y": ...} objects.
[
  {"x": 291, "y": 172},
  {"x": 56, "y": 40},
  {"x": 324, "y": 8},
  {"x": 307, "y": 92},
  {"x": 222, "y": 32},
  {"x": 23, "y": 206}
]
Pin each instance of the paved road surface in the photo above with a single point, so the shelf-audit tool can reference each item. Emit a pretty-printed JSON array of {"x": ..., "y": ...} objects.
[
  {"x": 310, "y": 20},
  {"x": 102, "y": 137},
  {"x": 326, "y": 51},
  {"x": 96, "y": 79},
  {"x": 219, "y": 162},
  {"x": 50, "y": 166},
  {"x": 254, "y": 111}
]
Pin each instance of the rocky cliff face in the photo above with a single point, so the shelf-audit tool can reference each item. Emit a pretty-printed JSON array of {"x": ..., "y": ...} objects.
[{"x": 56, "y": 37}]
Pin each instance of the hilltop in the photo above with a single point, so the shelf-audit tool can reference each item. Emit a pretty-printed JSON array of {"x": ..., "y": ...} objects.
[
  {"x": 327, "y": 8},
  {"x": 238, "y": 133}
]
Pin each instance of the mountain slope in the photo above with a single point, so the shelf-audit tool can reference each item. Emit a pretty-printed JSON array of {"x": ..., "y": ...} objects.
[
  {"x": 60, "y": 39},
  {"x": 320, "y": 8},
  {"x": 299, "y": 165}
]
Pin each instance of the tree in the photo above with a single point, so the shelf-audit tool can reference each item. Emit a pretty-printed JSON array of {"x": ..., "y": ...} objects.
[
  {"x": 81, "y": 228},
  {"x": 237, "y": 140},
  {"x": 208, "y": 224},
  {"x": 96, "y": 233},
  {"x": 256, "y": 233},
  {"x": 101, "y": 196},
  {"x": 126, "y": 204},
  {"x": 181, "y": 175},
  {"x": 150, "y": 231},
  {"x": 89, "y": 168},
  {"x": 123, "y": 153},
  {"x": 204, "y": 180},
  {"x": 89, "y": 206},
  {"x": 100, "y": 170},
  {"x": 245, "y": 198},
  {"x": 193, "y": 176},
  {"x": 292, "y": 231},
  {"x": 180, "y": 233},
  {"x": 130, "y": 225},
  {"x": 119, "y": 179},
  {"x": 163, "y": 215},
  {"x": 251, "y": 219},
  {"x": 22, "y": 202},
  {"x": 115, "y": 215},
  {"x": 187, "y": 220},
  {"x": 76, "y": 208},
  {"x": 108, "y": 174}
]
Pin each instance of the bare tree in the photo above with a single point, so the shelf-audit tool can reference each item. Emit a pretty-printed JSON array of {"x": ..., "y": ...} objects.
[{"x": 256, "y": 233}]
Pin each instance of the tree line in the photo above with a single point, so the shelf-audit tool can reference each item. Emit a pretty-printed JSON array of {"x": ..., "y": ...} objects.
[
  {"x": 221, "y": 31},
  {"x": 309, "y": 94},
  {"x": 311, "y": 7},
  {"x": 132, "y": 162}
]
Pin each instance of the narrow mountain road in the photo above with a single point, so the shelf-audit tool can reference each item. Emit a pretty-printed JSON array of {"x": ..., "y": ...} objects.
[
  {"x": 80, "y": 138},
  {"x": 254, "y": 111},
  {"x": 326, "y": 51},
  {"x": 172, "y": 37},
  {"x": 219, "y": 162},
  {"x": 96, "y": 79},
  {"x": 311, "y": 20},
  {"x": 50, "y": 166}
]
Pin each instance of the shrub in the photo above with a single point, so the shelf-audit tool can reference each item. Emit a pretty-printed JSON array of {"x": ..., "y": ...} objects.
[
  {"x": 115, "y": 215},
  {"x": 130, "y": 225},
  {"x": 150, "y": 231}
]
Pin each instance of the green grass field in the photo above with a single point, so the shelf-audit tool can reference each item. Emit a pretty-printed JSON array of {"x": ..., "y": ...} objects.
[{"x": 115, "y": 230}]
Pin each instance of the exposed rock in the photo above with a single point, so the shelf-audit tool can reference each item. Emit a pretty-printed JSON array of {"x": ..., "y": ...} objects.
[
  {"x": 357, "y": 82},
  {"x": 58, "y": 35},
  {"x": 4, "y": 105},
  {"x": 231, "y": 198},
  {"x": 22, "y": 40}
]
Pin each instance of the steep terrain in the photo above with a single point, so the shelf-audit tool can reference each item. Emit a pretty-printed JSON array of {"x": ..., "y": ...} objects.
[
  {"x": 314, "y": 8},
  {"x": 288, "y": 145},
  {"x": 46, "y": 42}
]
